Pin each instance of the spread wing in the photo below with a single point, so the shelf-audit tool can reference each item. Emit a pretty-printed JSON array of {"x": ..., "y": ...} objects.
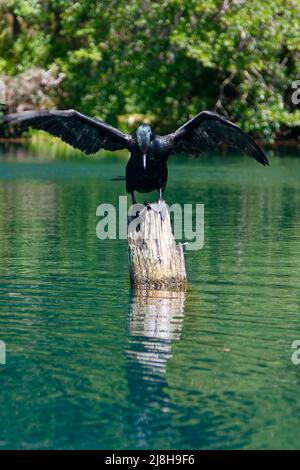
[
  {"x": 206, "y": 130},
  {"x": 82, "y": 132}
]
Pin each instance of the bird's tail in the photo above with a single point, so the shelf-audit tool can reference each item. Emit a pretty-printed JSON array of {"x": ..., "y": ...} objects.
[{"x": 118, "y": 178}]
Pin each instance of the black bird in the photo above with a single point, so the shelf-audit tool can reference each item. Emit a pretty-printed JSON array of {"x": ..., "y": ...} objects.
[{"x": 147, "y": 166}]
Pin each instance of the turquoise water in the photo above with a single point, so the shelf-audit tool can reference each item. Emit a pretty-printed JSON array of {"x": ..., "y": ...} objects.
[{"x": 91, "y": 365}]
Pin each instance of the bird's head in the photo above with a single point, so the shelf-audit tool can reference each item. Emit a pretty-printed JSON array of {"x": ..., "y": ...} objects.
[{"x": 144, "y": 136}]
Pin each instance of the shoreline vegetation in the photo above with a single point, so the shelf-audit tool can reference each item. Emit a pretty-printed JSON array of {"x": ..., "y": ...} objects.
[{"x": 161, "y": 62}]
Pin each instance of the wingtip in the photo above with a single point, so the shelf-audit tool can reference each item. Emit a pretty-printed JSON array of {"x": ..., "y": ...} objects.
[
  {"x": 259, "y": 155},
  {"x": 262, "y": 159},
  {"x": 265, "y": 161}
]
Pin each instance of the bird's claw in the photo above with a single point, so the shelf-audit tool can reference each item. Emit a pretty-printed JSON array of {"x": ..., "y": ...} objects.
[{"x": 160, "y": 206}]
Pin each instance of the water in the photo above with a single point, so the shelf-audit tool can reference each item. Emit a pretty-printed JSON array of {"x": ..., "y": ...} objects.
[{"x": 91, "y": 365}]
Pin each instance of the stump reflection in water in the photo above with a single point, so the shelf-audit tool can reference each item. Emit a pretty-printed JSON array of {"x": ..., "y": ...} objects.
[{"x": 155, "y": 320}]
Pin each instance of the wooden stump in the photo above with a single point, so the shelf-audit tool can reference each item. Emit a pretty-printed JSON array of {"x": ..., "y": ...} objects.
[{"x": 156, "y": 261}]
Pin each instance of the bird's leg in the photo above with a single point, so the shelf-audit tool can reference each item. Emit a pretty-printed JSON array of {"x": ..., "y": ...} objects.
[
  {"x": 133, "y": 200},
  {"x": 159, "y": 206},
  {"x": 160, "y": 192}
]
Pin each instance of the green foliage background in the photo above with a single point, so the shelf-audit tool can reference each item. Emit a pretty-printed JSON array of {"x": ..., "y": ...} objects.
[{"x": 166, "y": 60}]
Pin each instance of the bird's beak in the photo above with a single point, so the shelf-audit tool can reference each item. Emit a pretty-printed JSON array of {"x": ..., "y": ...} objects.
[{"x": 144, "y": 160}]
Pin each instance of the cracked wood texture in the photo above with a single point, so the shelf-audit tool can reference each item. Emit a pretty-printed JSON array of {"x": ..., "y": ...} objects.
[{"x": 156, "y": 261}]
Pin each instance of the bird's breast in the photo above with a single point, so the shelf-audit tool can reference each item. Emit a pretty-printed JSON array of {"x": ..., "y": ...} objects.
[{"x": 146, "y": 179}]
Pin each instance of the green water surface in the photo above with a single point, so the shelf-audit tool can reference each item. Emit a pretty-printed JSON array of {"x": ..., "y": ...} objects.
[{"x": 90, "y": 365}]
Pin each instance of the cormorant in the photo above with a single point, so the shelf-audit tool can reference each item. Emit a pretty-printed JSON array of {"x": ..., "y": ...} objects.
[{"x": 147, "y": 166}]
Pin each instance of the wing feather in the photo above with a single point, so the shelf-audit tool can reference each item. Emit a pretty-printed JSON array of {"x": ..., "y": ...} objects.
[
  {"x": 208, "y": 129},
  {"x": 81, "y": 132}
]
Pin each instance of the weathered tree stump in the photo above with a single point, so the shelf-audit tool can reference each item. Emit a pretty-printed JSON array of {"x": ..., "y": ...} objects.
[{"x": 156, "y": 261}]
